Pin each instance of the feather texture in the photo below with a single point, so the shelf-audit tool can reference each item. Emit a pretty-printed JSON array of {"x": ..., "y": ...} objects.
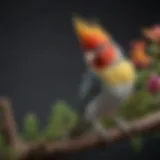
[{"x": 117, "y": 74}]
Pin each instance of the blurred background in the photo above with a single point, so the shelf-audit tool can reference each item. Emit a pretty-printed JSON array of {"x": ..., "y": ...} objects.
[{"x": 40, "y": 60}]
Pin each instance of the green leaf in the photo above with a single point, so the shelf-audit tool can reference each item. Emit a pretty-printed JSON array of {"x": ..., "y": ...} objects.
[
  {"x": 136, "y": 106},
  {"x": 8, "y": 153},
  {"x": 157, "y": 66},
  {"x": 156, "y": 135},
  {"x": 30, "y": 128},
  {"x": 153, "y": 50},
  {"x": 2, "y": 141},
  {"x": 107, "y": 122},
  {"x": 142, "y": 76},
  {"x": 137, "y": 143},
  {"x": 62, "y": 118}
]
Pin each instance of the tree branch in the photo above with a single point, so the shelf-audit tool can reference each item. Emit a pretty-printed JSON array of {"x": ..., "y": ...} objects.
[
  {"x": 144, "y": 125},
  {"x": 92, "y": 140},
  {"x": 9, "y": 128},
  {"x": 29, "y": 151}
]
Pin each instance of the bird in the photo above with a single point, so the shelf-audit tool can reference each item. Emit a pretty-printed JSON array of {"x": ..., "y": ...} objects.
[{"x": 105, "y": 62}]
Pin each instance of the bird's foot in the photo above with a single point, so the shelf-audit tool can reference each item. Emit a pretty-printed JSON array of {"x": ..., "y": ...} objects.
[
  {"x": 122, "y": 125},
  {"x": 101, "y": 130}
]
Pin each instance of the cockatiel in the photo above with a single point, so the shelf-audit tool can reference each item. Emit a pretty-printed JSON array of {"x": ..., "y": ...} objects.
[{"x": 106, "y": 63}]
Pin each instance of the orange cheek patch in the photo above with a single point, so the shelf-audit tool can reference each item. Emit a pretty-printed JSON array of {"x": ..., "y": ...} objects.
[
  {"x": 108, "y": 55},
  {"x": 104, "y": 58}
]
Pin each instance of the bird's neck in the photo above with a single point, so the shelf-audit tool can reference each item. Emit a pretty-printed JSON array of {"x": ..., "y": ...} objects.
[{"x": 119, "y": 73}]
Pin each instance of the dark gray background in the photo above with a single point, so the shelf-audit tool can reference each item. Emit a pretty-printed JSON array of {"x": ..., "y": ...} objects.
[{"x": 40, "y": 60}]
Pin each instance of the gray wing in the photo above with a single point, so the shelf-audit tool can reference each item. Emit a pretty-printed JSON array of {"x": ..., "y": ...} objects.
[{"x": 89, "y": 87}]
